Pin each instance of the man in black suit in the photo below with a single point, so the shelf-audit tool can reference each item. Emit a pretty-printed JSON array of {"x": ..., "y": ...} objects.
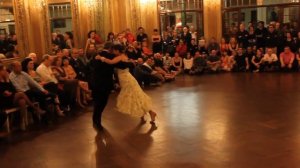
[
  {"x": 101, "y": 83},
  {"x": 78, "y": 65}
]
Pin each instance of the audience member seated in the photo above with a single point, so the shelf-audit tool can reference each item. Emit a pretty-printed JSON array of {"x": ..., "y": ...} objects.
[
  {"x": 269, "y": 61},
  {"x": 227, "y": 61},
  {"x": 193, "y": 48},
  {"x": 146, "y": 50},
  {"x": 50, "y": 82},
  {"x": 145, "y": 74},
  {"x": 181, "y": 49},
  {"x": 188, "y": 63},
  {"x": 257, "y": 61},
  {"x": 12, "y": 98},
  {"x": 24, "y": 83},
  {"x": 84, "y": 88},
  {"x": 33, "y": 57},
  {"x": 298, "y": 58},
  {"x": 176, "y": 65},
  {"x": 287, "y": 59},
  {"x": 213, "y": 45},
  {"x": 132, "y": 53},
  {"x": 241, "y": 61},
  {"x": 159, "y": 67},
  {"x": 70, "y": 86},
  {"x": 167, "y": 60},
  {"x": 78, "y": 65},
  {"x": 213, "y": 61},
  {"x": 199, "y": 64}
]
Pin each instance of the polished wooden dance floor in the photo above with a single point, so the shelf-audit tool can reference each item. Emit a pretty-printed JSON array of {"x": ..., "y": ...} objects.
[{"x": 211, "y": 121}]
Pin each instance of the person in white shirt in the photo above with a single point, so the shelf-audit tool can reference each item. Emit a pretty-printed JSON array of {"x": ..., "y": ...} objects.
[
  {"x": 48, "y": 77},
  {"x": 188, "y": 63},
  {"x": 270, "y": 60}
]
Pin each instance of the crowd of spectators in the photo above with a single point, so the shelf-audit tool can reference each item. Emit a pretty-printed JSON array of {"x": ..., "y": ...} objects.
[{"x": 62, "y": 79}]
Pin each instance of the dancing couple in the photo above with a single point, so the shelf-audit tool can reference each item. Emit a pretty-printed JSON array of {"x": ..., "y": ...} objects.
[{"x": 131, "y": 100}]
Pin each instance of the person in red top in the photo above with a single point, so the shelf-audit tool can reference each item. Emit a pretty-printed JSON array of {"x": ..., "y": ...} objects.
[
  {"x": 181, "y": 49},
  {"x": 287, "y": 58},
  {"x": 129, "y": 36},
  {"x": 148, "y": 52}
]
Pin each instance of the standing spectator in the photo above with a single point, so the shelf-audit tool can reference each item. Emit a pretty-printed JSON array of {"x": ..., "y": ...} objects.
[
  {"x": 91, "y": 41},
  {"x": 213, "y": 61},
  {"x": 269, "y": 61},
  {"x": 290, "y": 41},
  {"x": 156, "y": 41},
  {"x": 242, "y": 36},
  {"x": 186, "y": 36},
  {"x": 251, "y": 37},
  {"x": 3, "y": 44},
  {"x": 141, "y": 36},
  {"x": 241, "y": 61},
  {"x": 202, "y": 46},
  {"x": 69, "y": 40},
  {"x": 280, "y": 38},
  {"x": 271, "y": 40},
  {"x": 287, "y": 59},
  {"x": 260, "y": 33}
]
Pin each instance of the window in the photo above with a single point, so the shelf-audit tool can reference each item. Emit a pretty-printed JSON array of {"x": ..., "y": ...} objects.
[{"x": 174, "y": 13}]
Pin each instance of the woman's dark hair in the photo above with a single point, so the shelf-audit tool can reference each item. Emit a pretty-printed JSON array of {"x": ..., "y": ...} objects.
[
  {"x": 70, "y": 34},
  {"x": 65, "y": 58},
  {"x": 90, "y": 32},
  {"x": 119, "y": 48},
  {"x": 55, "y": 61},
  {"x": 25, "y": 63},
  {"x": 109, "y": 34}
]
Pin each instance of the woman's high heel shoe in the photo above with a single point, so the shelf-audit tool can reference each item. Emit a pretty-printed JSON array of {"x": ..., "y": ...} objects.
[{"x": 153, "y": 116}]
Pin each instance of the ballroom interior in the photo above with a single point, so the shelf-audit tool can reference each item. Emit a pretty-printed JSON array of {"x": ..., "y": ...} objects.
[{"x": 234, "y": 120}]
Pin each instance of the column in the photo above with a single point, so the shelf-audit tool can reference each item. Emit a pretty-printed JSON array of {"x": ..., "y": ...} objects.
[{"x": 212, "y": 19}]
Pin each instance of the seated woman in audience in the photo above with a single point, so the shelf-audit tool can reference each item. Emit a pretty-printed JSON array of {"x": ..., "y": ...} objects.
[
  {"x": 146, "y": 50},
  {"x": 176, "y": 66},
  {"x": 28, "y": 67},
  {"x": 223, "y": 46},
  {"x": 167, "y": 60},
  {"x": 233, "y": 44},
  {"x": 227, "y": 62},
  {"x": 11, "y": 97},
  {"x": 70, "y": 85},
  {"x": 256, "y": 61},
  {"x": 188, "y": 63},
  {"x": 270, "y": 60},
  {"x": 71, "y": 74}
]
